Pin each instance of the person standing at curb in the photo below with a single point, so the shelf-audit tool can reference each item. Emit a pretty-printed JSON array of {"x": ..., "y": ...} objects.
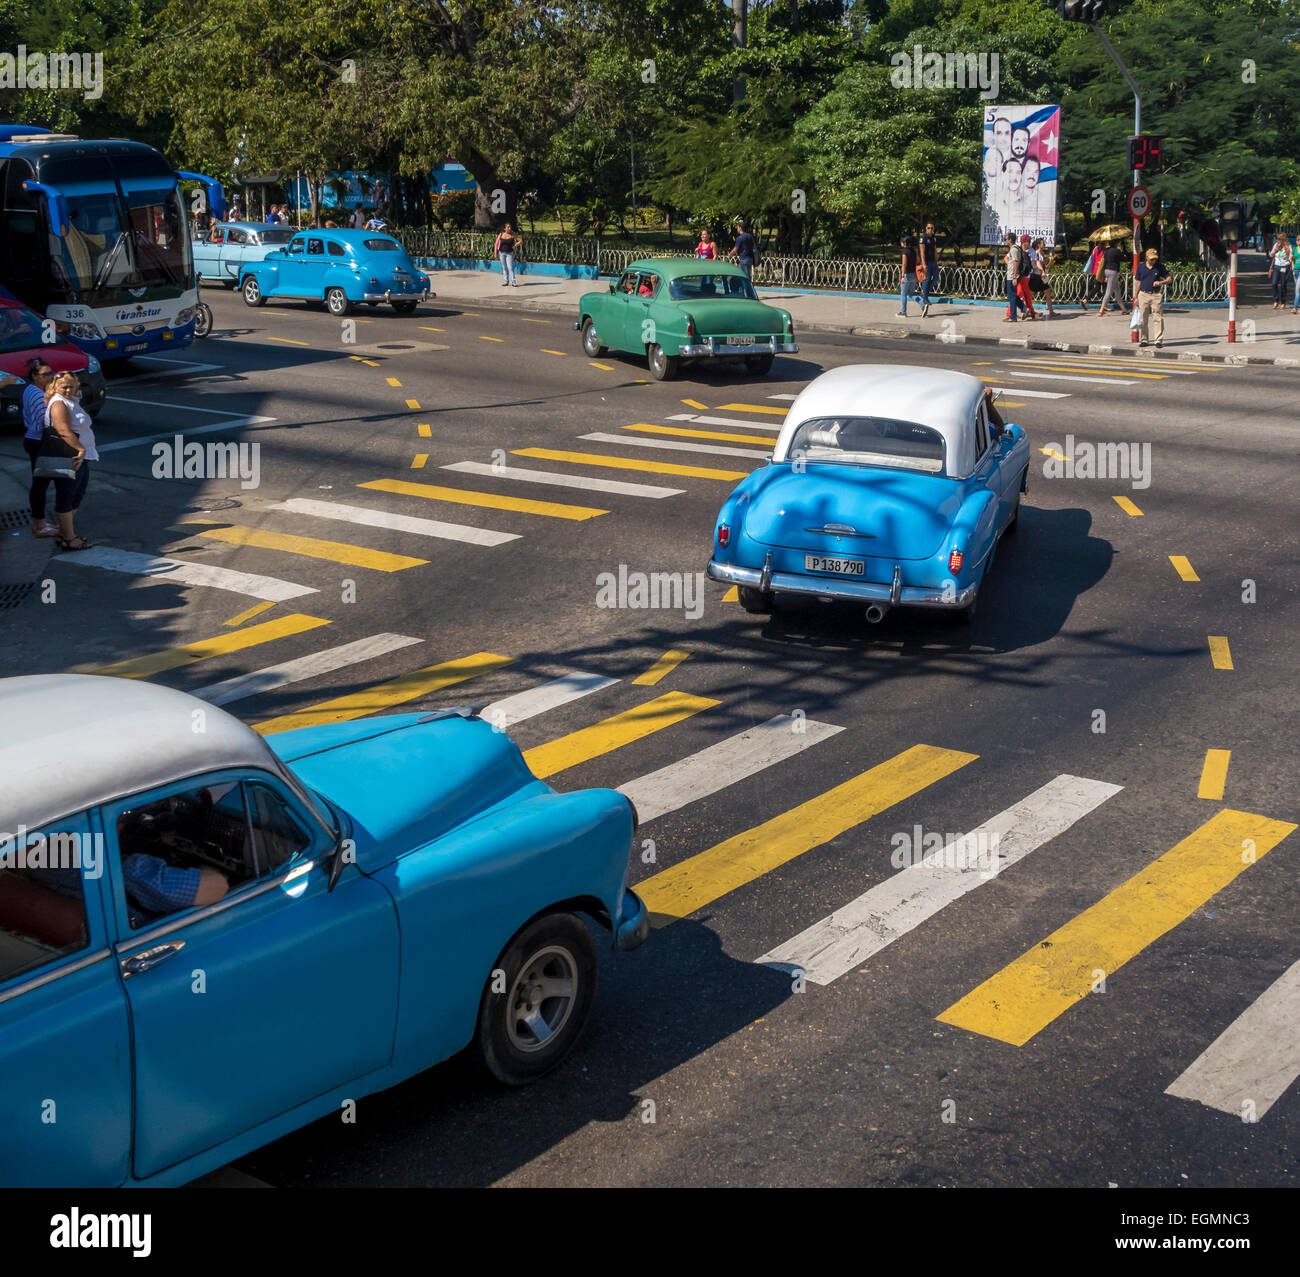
[
  {"x": 1110, "y": 261},
  {"x": 1151, "y": 279},
  {"x": 65, "y": 416},
  {"x": 1280, "y": 272},
  {"x": 1295, "y": 274},
  {"x": 907, "y": 287},
  {"x": 505, "y": 251},
  {"x": 33, "y": 402},
  {"x": 929, "y": 267},
  {"x": 746, "y": 250}
]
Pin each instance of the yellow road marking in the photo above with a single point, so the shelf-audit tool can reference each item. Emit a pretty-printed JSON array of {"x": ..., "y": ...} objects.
[
  {"x": 1214, "y": 774},
  {"x": 603, "y": 367},
  {"x": 675, "y": 892},
  {"x": 562, "y": 354},
  {"x": 1127, "y": 506},
  {"x": 419, "y": 461},
  {"x": 613, "y": 733},
  {"x": 256, "y": 610},
  {"x": 502, "y": 340},
  {"x": 982, "y": 363},
  {"x": 627, "y": 463},
  {"x": 695, "y": 403},
  {"x": 187, "y": 653},
  {"x": 424, "y": 430},
  {"x": 470, "y": 314},
  {"x": 1046, "y": 981},
  {"x": 664, "y": 666},
  {"x": 488, "y": 500},
  {"x": 1183, "y": 568},
  {"x": 640, "y": 381},
  {"x": 1220, "y": 653},
  {"x": 431, "y": 678},
  {"x": 754, "y": 407},
  {"x": 428, "y": 328},
  {"x": 1089, "y": 369},
  {"x": 413, "y": 405},
  {"x": 732, "y": 595},
  {"x": 701, "y": 434},
  {"x": 312, "y": 547},
  {"x": 392, "y": 381},
  {"x": 289, "y": 341},
  {"x": 536, "y": 321},
  {"x": 373, "y": 363},
  {"x": 1007, "y": 403},
  {"x": 1052, "y": 452}
]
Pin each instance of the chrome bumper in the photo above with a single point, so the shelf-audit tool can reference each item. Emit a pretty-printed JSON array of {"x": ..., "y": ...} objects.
[
  {"x": 712, "y": 348},
  {"x": 634, "y": 924},
  {"x": 894, "y": 594},
  {"x": 389, "y": 296}
]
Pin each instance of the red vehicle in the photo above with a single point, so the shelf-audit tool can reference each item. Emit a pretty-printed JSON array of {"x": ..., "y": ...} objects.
[{"x": 22, "y": 333}]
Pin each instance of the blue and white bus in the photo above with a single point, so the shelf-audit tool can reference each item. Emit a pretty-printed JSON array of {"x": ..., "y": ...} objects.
[{"x": 94, "y": 236}]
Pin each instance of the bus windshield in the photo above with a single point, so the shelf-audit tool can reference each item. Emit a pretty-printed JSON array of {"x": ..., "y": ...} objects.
[{"x": 140, "y": 246}]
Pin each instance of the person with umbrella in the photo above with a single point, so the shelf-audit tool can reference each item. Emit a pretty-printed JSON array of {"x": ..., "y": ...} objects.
[{"x": 1111, "y": 261}]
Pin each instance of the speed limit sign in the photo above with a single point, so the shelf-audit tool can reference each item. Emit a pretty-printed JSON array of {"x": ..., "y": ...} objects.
[{"x": 1139, "y": 202}]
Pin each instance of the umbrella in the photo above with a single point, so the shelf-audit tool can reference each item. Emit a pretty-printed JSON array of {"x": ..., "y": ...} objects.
[{"x": 1104, "y": 234}]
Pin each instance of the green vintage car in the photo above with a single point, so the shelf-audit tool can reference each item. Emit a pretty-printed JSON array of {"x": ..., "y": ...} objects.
[{"x": 677, "y": 309}]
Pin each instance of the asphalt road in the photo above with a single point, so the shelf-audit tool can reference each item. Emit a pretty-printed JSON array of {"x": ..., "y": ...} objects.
[{"x": 928, "y": 1053}]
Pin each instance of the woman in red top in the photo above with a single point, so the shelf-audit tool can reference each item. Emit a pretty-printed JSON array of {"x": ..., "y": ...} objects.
[{"x": 706, "y": 248}]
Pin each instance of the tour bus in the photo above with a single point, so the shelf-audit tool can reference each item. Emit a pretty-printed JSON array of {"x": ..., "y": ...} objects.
[{"x": 94, "y": 236}]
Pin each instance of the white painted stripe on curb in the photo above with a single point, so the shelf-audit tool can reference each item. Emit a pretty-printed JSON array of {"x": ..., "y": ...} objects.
[
  {"x": 303, "y": 667},
  {"x": 706, "y": 772},
  {"x": 555, "y": 479},
  {"x": 267, "y": 588},
  {"x": 537, "y": 700},
  {"x": 1254, "y": 1059},
  {"x": 872, "y": 922},
  {"x": 395, "y": 522},
  {"x": 676, "y": 445}
]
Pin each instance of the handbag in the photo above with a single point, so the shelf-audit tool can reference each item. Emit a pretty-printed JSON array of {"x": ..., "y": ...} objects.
[{"x": 54, "y": 461}]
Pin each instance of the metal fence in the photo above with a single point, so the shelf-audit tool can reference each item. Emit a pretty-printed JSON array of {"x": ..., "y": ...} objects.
[{"x": 852, "y": 274}]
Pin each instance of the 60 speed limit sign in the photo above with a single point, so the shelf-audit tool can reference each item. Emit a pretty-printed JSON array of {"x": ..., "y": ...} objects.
[{"x": 1139, "y": 202}]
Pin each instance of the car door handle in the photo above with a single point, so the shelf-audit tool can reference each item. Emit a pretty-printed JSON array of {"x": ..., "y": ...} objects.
[{"x": 147, "y": 958}]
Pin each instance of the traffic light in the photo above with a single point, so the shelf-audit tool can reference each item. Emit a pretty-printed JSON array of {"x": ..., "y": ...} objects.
[
  {"x": 1144, "y": 152},
  {"x": 1077, "y": 10}
]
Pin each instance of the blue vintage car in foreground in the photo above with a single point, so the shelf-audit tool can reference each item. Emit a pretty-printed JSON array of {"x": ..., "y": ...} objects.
[
  {"x": 889, "y": 486},
  {"x": 228, "y": 246},
  {"x": 210, "y": 939},
  {"x": 341, "y": 268}
]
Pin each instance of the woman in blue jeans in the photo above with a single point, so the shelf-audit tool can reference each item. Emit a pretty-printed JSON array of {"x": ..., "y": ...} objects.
[
  {"x": 33, "y": 404},
  {"x": 507, "y": 242}
]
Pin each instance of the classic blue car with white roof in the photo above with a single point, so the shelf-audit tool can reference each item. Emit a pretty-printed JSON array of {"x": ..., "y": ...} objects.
[
  {"x": 212, "y": 938},
  {"x": 340, "y": 268},
  {"x": 221, "y": 256},
  {"x": 889, "y": 486}
]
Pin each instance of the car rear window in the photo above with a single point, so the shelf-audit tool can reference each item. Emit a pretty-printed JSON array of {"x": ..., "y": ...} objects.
[
  {"x": 871, "y": 441},
  {"x": 382, "y": 245},
  {"x": 690, "y": 287},
  {"x": 20, "y": 329}
]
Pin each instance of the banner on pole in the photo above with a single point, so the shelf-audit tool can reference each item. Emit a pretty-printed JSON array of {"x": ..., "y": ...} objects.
[{"x": 1019, "y": 188}]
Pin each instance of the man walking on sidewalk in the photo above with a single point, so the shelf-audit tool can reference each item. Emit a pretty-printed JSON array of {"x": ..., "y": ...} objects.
[
  {"x": 929, "y": 267},
  {"x": 1152, "y": 277},
  {"x": 907, "y": 288}
]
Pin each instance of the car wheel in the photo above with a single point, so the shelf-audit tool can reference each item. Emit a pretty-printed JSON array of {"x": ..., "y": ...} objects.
[
  {"x": 405, "y": 308},
  {"x": 759, "y": 365},
  {"x": 336, "y": 302},
  {"x": 663, "y": 367},
  {"x": 253, "y": 292},
  {"x": 590, "y": 339},
  {"x": 547, "y": 978},
  {"x": 753, "y": 600}
]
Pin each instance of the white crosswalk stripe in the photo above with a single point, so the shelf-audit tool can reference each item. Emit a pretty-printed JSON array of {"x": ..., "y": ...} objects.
[
  {"x": 774, "y": 427},
  {"x": 783, "y": 396},
  {"x": 675, "y": 445},
  {"x": 719, "y": 766},
  {"x": 537, "y": 700},
  {"x": 555, "y": 479},
  {"x": 1065, "y": 376},
  {"x": 395, "y": 522},
  {"x": 267, "y": 588},
  {"x": 1032, "y": 394},
  {"x": 839, "y": 942}
]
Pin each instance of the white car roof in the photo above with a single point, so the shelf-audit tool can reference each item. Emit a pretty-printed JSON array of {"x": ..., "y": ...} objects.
[
  {"x": 935, "y": 397},
  {"x": 72, "y": 741}
]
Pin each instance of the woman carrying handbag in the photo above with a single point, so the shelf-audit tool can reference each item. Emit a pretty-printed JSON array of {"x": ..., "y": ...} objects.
[{"x": 67, "y": 449}]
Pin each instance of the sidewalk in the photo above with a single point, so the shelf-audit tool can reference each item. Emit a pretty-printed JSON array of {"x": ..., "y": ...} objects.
[{"x": 1264, "y": 335}]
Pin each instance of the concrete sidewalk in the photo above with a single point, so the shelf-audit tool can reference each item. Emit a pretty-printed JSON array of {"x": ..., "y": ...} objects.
[{"x": 1264, "y": 335}]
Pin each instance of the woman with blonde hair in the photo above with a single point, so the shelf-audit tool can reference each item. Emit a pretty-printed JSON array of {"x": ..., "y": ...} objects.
[{"x": 65, "y": 417}]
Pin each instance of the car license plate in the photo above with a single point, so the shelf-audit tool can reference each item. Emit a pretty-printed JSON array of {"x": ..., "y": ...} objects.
[
  {"x": 740, "y": 341},
  {"x": 845, "y": 567},
  {"x": 139, "y": 345}
]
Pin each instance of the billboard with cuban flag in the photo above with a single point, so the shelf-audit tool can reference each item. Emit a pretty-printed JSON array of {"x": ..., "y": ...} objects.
[{"x": 1019, "y": 187}]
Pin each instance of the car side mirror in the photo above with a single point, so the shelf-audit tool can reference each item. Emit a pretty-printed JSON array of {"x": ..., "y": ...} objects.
[{"x": 613, "y": 288}]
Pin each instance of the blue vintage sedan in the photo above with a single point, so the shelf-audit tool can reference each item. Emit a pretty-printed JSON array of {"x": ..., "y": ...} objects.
[
  {"x": 209, "y": 939},
  {"x": 220, "y": 257},
  {"x": 340, "y": 268},
  {"x": 889, "y": 486}
]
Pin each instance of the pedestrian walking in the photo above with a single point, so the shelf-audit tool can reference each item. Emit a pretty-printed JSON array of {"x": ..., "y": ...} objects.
[
  {"x": 1280, "y": 270},
  {"x": 1091, "y": 271},
  {"x": 1151, "y": 279},
  {"x": 1012, "y": 260},
  {"x": 33, "y": 406},
  {"x": 706, "y": 249},
  {"x": 1295, "y": 274},
  {"x": 1110, "y": 263},
  {"x": 907, "y": 271},
  {"x": 358, "y": 218},
  {"x": 1038, "y": 278},
  {"x": 70, "y": 422},
  {"x": 928, "y": 267},
  {"x": 746, "y": 250},
  {"x": 1026, "y": 273},
  {"x": 506, "y": 244}
]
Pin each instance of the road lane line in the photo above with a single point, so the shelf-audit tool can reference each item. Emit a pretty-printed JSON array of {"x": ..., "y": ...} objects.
[
  {"x": 690, "y": 885},
  {"x": 1183, "y": 568},
  {"x": 1214, "y": 774},
  {"x": 381, "y": 696},
  {"x": 1167, "y": 367},
  {"x": 334, "y": 551},
  {"x": 269, "y": 588},
  {"x": 538, "y": 700},
  {"x": 719, "y": 766},
  {"x": 664, "y": 666},
  {"x": 627, "y": 463},
  {"x": 392, "y": 381},
  {"x": 247, "y": 615},
  {"x": 1250, "y": 1065},
  {"x": 774, "y": 427},
  {"x": 753, "y": 407},
  {"x": 228, "y": 423},
  {"x": 863, "y": 927},
  {"x": 686, "y": 433},
  {"x": 613, "y": 733},
  {"x": 424, "y": 430},
  {"x": 1127, "y": 506},
  {"x": 1028, "y": 394},
  {"x": 674, "y": 445},
  {"x": 396, "y": 522},
  {"x": 413, "y": 405},
  {"x": 419, "y": 461},
  {"x": 535, "y": 321},
  {"x": 695, "y": 403},
  {"x": 1028, "y": 994},
  {"x": 602, "y": 367},
  {"x": 188, "y": 653},
  {"x": 1103, "y": 374},
  {"x": 781, "y": 396},
  {"x": 301, "y": 668},
  {"x": 732, "y": 595},
  {"x": 486, "y": 500},
  {"x": 563, "y": 354},
  {"x": 555, "y": 479},
  {"x": 496, "y": 339},
  {"x": 1060, "y": 376},
  {"x": 289, "y": 341},
  {"x": 428, "y": 328},
  {"x": 1052, "y": 452},
  {"x": 1220, "y": 653}
]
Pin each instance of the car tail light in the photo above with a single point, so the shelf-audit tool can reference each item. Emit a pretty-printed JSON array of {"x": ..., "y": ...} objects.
[
  {"x": 724, "y": 534},
  {"x": 955, "y": 561},
  {"x": 374, "y": 282},
  {"x": 690, "y": 326}
]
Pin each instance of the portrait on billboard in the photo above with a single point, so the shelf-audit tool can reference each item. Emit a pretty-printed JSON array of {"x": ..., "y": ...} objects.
[{"x": 1019, "y": 160}]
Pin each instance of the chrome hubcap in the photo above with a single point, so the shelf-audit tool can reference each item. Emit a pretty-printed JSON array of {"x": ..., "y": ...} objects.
[{"x": 542, "y": 998}]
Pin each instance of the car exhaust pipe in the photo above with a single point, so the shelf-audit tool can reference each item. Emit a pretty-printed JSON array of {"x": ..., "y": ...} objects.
[{"x": 875, "y": 614}]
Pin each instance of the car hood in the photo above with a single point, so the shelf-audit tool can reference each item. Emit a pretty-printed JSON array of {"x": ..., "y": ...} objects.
[
  {"x": 902, "y": 514},
  {"x": 722, "y": 316},
  {"x": 406, "y": 779}
]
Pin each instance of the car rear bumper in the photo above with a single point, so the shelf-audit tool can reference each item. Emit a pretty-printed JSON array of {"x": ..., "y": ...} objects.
[
  {"x": 890, "y": 595},
  {"x": 390, "y": 296},
  {"x": 711, "y": 348},
  {"x": 633, "y": 925}
]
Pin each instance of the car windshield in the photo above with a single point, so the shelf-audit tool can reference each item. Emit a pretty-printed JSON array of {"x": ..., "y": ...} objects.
[
  {"x": 871, "y": 441},
  {"x": 383, "y": 245},
  {"x": 20, "y": 329},
  {"x": 691, "y": 287}
]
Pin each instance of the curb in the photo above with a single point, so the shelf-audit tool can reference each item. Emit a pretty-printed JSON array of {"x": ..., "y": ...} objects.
[{"x": 948, "y": 339}]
